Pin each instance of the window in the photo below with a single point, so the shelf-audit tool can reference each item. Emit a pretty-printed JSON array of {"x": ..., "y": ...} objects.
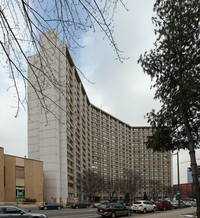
[
  {"x": 70, "y": 177},
  {"x": 70, "y": 185},
  {"x": 1, "y": 210},
  {"x": 12, "y": 210},
  {"x": 19, "y": 172}
]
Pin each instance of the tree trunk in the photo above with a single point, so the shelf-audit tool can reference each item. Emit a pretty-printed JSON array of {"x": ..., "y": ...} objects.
[{"x": 193, "y": 164}]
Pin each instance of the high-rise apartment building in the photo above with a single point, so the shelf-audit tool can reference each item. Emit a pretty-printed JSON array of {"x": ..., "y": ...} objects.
[{"x": 78, "y": 136}]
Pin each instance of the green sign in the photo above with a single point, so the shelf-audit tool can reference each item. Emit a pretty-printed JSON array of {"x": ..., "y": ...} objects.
[
  {"x": 20, "y": 192},
  {"x": 178, "y": 192}
]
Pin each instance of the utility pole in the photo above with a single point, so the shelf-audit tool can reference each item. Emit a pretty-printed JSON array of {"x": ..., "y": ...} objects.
[{"x": 178, "y": 173}]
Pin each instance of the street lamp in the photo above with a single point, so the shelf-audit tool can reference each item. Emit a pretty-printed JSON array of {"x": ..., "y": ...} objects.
[{"x": 178, "y": 176}]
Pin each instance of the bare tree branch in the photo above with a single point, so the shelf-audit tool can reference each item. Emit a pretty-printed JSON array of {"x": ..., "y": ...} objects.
[{"x": 21, "y": 23}]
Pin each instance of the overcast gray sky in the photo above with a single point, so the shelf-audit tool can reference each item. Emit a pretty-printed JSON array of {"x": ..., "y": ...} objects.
[{"x": 121, "y": 89}]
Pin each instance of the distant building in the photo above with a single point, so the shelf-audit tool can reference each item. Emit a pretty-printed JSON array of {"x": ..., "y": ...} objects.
[
  {"x": 189, "y": 174},
  {"x": 82, "y": 136},
  {"x": 20, "y": 178}
]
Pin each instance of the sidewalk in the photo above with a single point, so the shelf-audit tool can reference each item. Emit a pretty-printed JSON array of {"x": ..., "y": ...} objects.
[
  {"x": 192, "y": 215},
  {"x": 176, "y": 213}
]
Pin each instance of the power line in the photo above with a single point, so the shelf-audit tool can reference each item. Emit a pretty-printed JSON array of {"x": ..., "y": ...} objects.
[{"x": 188, "y": 161}]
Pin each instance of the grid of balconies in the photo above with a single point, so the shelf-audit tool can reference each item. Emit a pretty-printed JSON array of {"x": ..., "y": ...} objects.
[{"x": 97, "y": 140}]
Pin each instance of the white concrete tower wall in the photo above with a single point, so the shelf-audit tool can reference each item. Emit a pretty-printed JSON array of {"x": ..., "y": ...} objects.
[
  {"x": 63, "y": 133},
  {"x": 47, "y": 131}
]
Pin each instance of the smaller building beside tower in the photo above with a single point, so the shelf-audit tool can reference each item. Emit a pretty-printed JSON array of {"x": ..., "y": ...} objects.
[
  {"x": 21, "y": 179},
  {"x": 186, "y": 190}
]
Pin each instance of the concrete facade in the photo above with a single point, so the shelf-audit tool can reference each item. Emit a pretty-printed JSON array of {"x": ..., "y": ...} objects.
[
  {"x": 47, "y": 141},
  {"x": 20, "y": 173},
  {"x": 75, "y": 135}
]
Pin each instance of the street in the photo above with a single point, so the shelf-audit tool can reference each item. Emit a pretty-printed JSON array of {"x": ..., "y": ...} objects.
[{"x": 91, "y": 213}]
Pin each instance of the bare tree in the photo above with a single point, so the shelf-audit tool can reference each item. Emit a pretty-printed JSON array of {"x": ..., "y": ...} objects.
[
  {"x": 155, "y": 187},
  {"x": 167, "y": 191},
  {"x": 92, "y": 184},
  {"x": 112, "y": 186},
  {"x": 131, "y": 183},
  {"x": 21, "y": 23}
]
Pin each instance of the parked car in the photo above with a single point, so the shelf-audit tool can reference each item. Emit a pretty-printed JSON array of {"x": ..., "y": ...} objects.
[
  {"x": 14, "y": 211},
  {"x": 163, "y": 205},
  {"x": 189, "y": 202},
  {"x": 142, "y": 206},
  {"x": 175, "y": 204},
  {"x": 81, "y": 204},
  {"x": 128, "y": 205},
  {"x": 51, "y": 206},
  {"x": 120, "y": 202},
  {"x": 97, "y": 204},
  {"x": 113, "y": 210}
]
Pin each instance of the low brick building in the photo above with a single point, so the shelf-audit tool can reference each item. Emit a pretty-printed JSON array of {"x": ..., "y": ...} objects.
[
  {"x": 186, "y": 190},
  {"x": 20, "y": 178}
]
